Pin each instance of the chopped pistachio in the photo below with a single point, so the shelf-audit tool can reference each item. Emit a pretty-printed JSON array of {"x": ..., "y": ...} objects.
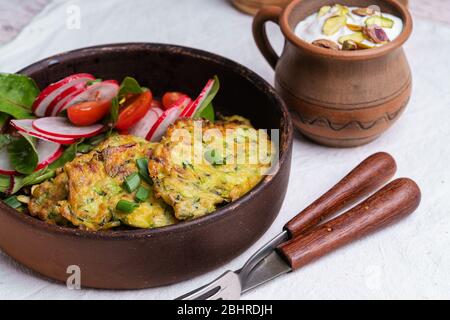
[
  {"x": 380, "y": 21},
  {"x": 369, "y": 11},
  {"x": 323, "y": 11},
  {"x": 333, "y": 24},
  {"x": 23, "y": 199},
  {"x": 349, "y": 45},
  {"x": 340, "y": 10},
  {"x": 376, "y": 34},
  {"x": 362, "y": 45},
  {"x": 327, "y": 44},
  {"x": 354, "y": 27},
  {"x": 357, "y": 36}
]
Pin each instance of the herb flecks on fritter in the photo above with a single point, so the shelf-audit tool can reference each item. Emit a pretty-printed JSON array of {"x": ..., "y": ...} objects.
[
  {"x": 194, "y": 178},
  {"x": 93, "y": 186}
]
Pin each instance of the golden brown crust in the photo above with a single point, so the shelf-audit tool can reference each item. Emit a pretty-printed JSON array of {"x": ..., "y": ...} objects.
[{"x": 195, "y": 183}]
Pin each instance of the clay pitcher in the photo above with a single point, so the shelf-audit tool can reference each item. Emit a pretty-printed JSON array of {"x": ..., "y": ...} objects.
[{"x": 338, "y": 98}]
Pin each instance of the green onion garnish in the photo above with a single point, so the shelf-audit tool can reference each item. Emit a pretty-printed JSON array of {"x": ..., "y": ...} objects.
[
  {"x": 126, "y": 206},
  {"x": 214, "y": 157},
  {"x": 132, "y": 182},
  {"x": 142, "y": 194},
  {"x": 142, "y": 165},
  {"x": 13, "y": 202}
]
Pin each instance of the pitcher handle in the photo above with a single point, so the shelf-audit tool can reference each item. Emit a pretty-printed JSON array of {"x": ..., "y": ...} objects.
[{"x": 270, "y": 13}]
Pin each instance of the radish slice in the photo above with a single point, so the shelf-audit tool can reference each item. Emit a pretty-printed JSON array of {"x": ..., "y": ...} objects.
[
  {"x": 61, "y": 105},
  {"x": 192, "y": 109},
  {"x": 46, "y": 97},
  {"x": 26, "y": 126},
  {"x": 47, "y": 151},
  {"x": 61, "y": 127},
  {"x": 5, "y": 165},
  {"x": 101, "y": 91},
  {"x": 184, "y": 104},
  {"x": 168, "y": 117},
  {"x": 111, "y": 82},
  {"x": 63, "y": 97},
  {"x": 143, "y": 126}
]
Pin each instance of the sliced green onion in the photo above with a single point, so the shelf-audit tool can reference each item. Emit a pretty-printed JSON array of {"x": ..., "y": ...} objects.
[
  {"x": 142, "y": 165},
  {"x": 132, "y": 182},
  {"x": 214, "y": 157},
  {"x": 142, "y": 194},
  {"x": 126, "y": 206},
  {"x": 13, "y": 202}
]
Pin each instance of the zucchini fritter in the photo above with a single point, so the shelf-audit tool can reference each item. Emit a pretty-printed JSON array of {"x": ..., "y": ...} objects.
[
  {"x": 94, "y": 186},
  {"x": 195, "y": 168},
  {"x": 44, "y": 203}
]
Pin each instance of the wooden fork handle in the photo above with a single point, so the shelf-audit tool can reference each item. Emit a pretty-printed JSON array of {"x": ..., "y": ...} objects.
[
  {"x": 396, "y": 200},
  {"x": 367, "y": 177}
]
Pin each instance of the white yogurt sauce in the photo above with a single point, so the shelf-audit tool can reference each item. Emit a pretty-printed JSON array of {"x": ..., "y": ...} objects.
[{"x": 310, "y": 29}]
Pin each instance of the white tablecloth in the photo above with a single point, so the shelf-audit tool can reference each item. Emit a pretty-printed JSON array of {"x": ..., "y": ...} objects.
[{"x": 408, "y": 260}]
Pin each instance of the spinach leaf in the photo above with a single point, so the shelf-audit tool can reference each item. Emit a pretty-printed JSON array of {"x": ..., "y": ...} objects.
[
  {"x": 85, "y": 148},
  {"x": 208, "y": 113},
  {"x": 38, "y": 176},
  {"x": 45, "y": 173},
  {"x": 22, "y": 154},
  {"x": 96, "y": 140},
  {"x": 32, "y": 179},
  {"x": 68, "y": 155},
  {"x": 5, "y": 139},
  {"x": 209, "y": 98},
  {"x": 114, "y": 112},
  {"x": 91, "y": 82},
  {"x": 129, "y": 85},
  {"x": 113, "y": 115},
  {"x": 5, "y": 184},
  {"x": 3, "y": 120},
  {"x": 17, "y": 94}
]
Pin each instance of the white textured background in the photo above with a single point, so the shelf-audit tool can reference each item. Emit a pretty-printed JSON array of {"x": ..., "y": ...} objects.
[{"x": 408, "y": 260}]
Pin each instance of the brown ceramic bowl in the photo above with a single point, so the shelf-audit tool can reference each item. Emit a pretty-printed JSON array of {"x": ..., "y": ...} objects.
[{"x": 135, "y": 259}]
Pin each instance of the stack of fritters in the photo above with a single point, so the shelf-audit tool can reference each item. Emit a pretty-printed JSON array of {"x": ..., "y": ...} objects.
[{"x": 197, "y": 166}]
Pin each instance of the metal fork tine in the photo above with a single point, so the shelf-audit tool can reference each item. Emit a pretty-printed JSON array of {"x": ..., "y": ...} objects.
[
  {"x": 228, "y": 287},
  {"x": 198, "y": 293},
  {"x": 216, "y": 296}
]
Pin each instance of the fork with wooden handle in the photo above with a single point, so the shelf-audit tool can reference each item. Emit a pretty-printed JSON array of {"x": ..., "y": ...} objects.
[{"x": 305, "y": 239}]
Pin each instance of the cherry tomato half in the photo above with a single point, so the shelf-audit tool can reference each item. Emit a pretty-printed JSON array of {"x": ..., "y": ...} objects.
[
  {"x": 89, "y": 112},
  {"x": 134, "y": 110},
  {"x": 169, "y": 98}
]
